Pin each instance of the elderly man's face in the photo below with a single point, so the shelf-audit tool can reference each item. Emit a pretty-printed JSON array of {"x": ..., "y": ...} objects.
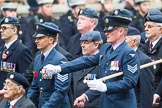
[
  {"x": 11, "y": 90},
  {"x": 84, "y": 23},
  {"x": 152, "y": 30}
]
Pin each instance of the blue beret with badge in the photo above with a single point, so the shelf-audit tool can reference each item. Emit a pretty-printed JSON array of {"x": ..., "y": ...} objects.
[
  {"x": 153, "y": 15},
  {"x": 46, "y": 28},
  {"x": 18, "y": 78},
  {"x": 91, "y": 36},
  {"x": 133, "y": 31},
  {"x": 118, "y": 18},
  {"x": 10, "y": 20},
  {"x": 88, "y": 12}
]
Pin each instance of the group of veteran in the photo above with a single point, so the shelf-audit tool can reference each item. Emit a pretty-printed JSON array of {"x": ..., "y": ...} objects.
[{"x": 51, "y": 70}]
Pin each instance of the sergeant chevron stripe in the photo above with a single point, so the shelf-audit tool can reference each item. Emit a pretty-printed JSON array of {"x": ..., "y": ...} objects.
[
  {"x": 132, "y": 68},
  {"x": 62, "y": 78}
]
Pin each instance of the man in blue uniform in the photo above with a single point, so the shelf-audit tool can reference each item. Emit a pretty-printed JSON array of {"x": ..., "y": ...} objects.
[
  {"x": 14, "y": 56},
  {"x": 50, "y": 90},
  {"x": 145, "y": 88},
  {"x": 114, "y": 56}
]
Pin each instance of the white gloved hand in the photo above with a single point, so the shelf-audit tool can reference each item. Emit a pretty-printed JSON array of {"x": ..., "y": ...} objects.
[
  {"x": 52, "y": 69},
  {"x": 97, "y": 85}
]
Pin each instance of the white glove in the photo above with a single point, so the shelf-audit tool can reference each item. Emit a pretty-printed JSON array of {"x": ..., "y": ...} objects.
[
  {"x": 97, "y": 85},
  {"x": 52, "y": 69}
]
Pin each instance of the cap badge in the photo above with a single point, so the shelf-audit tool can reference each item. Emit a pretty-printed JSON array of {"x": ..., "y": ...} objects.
[
  {"x": 106, "y": 20},
  {"x": 41, "y": 20},
  {"x": 37, "y": 27},
  {"x": 11, "y": 76},
  {"x": 116, "y": 12},
  {"x": 6, "y": 20},
  {"x": 81, "y": 11}
]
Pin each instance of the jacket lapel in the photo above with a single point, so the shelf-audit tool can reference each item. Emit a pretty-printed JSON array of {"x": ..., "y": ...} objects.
[
  {"x": 20, "y": 102},
  {"x": 12, "y": 48}
]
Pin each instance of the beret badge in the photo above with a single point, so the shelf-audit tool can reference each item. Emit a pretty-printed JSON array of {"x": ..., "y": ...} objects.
[
  {"x": 116, "y": 12},
  {"x": 81, "y": 11},
  {"x": 11, "y": 76},
  {"x": 6, "y": 20},
  {"x": 106, "y": 20}
]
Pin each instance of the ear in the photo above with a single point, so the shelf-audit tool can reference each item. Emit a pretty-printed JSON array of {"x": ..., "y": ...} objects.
[{"x": 20, "y": 88}]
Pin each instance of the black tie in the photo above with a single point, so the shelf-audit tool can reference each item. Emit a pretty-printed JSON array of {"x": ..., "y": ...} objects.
[
  {"x": 42, "y": 58},
  {"x": 5, "y": 49},
  {"x": 8, "y": 105},
  {"x": 150, "y": 46}
]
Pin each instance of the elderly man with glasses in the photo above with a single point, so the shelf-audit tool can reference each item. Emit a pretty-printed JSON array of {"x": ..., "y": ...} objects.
[{"x": 14, "y": 92}]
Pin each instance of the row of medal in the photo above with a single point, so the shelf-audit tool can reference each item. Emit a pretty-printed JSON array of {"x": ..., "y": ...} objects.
[
  {"x": 8, "y": 67},
  {"x": 45, "y": 75}
]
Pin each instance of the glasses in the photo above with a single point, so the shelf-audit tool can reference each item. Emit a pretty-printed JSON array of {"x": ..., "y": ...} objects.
[
  {"x": 150, "y": 26},
  {"x": 9, "y": 85},
  {"x": 3, "y": 28}
]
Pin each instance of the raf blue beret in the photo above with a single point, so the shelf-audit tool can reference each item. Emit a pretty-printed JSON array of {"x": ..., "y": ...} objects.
[
  {"x": 10, "y": 20},
  {"x": 47, "y": 28},
  {"x": 18, "y": 79},
  {"x": 118, "y": 18},
  {"x": 153, "y": 15},
  {"x": 91, "y": 36},
  {"x": 133, "y": 31},
  {"x": 88, "y": 12}
]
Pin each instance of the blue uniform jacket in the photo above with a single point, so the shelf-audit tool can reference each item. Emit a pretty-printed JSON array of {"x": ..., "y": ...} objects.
[
  {"x": 120, "y": 90},
  {"x": 52, "y": 93}
]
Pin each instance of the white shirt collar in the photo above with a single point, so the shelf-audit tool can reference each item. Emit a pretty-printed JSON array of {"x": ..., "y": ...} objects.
[
  {"x": 12, "y": 103},
  {"x": 115, "y": 46},
  {"x": 47, "y": 52},
  {"x": 155, "y": 42},
  {"x": 10, "y": 43}
]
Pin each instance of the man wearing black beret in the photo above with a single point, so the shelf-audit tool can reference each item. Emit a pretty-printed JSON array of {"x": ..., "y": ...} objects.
[
  {"x": 50, "y": 91},
  {"x": 14, "y": 92},
  {"x": 145, "y": 88},
  {"x": 114, "y": 56},
  {"x": 153, "y": 47},
  {"x": 14, "y": 56}
]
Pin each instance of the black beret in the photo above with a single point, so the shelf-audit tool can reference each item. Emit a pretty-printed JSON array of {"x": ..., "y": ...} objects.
[
  {"x": 33, "y": 4},
  {"x": 46, "y": 28},
  {"x": 18, "y": 78},
  {"x": 118, "y": 18},
  {"x": 91, "y": 36},
  {"x": 140, "y": 1},
  {"x": 88, "y": 12},
  {"x": 10, "y": 20},
  {"x": 153, "y": 15},
  {"x": 133, "y": 31}
]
